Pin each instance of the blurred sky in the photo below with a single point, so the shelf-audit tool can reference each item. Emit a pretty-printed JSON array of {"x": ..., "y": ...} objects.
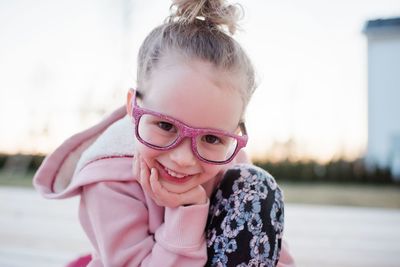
[{"x": 64, "y": 64}]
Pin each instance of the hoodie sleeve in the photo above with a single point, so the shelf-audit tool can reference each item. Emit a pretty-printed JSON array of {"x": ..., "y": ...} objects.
[{"x": 116, "y": 218}]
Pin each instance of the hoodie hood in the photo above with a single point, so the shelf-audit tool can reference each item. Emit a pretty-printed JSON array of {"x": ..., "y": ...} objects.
[{"x": 62, "y": 173}]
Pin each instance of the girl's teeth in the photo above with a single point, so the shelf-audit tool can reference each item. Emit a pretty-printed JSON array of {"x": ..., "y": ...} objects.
[{"x": 177, "y": 175}]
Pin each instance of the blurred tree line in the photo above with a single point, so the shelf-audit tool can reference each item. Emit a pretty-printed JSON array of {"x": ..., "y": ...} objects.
[
  {"x": 286, "y": 170},
  {"x": 339, "y": 170},
  {"x": 20, "y": 162}
]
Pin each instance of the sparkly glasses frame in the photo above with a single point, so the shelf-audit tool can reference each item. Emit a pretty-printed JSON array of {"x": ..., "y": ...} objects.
[{"x": 185, "y": 131}]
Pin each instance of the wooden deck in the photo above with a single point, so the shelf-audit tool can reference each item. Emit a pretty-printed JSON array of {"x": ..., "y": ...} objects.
[{"x": 46, "y": 233}]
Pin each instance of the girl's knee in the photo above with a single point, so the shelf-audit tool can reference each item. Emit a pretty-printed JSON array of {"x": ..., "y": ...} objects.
[
  {"x": 249, "y": 183},
  {"x": 246, "y": 177},
  {"x": 253, "y": 186}
]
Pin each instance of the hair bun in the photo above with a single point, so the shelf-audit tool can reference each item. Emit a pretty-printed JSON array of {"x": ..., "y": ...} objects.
[{"x": 214, "y": 12}]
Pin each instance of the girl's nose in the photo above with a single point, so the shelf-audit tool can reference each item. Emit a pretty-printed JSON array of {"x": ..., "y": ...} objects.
[{"x": 182, "y": 154}]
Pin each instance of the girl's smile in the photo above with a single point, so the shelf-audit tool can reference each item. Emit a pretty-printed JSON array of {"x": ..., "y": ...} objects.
[{"x": 172, "y": 176}]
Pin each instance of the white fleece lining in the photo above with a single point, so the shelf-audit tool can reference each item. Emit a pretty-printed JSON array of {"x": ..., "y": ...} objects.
[
  {"x": 116, "y": 140},
  {"x": 64, "y": 175}
]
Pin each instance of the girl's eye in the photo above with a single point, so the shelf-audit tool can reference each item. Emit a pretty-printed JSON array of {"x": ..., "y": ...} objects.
[
  {"x": 212, "y": 139},
  {"x": 166, "y": 126}
]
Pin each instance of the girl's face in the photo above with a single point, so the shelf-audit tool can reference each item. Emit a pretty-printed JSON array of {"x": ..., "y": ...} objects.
[{"x": 199, "y": 95}]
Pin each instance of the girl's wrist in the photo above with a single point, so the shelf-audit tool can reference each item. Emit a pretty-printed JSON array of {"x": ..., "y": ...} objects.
[
  {"x": 203, "y": 201},
  {"x": 199, "y": 202}
]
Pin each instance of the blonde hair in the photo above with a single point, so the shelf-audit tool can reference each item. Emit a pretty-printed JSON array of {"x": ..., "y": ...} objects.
[{"x": 200, "y": 29}]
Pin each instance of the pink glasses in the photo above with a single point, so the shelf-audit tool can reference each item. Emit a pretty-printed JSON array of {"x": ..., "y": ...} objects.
[{"x": 162, "y": 132}]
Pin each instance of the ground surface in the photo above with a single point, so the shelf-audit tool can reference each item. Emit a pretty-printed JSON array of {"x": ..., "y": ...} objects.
[{"x": 46, "y": 233}]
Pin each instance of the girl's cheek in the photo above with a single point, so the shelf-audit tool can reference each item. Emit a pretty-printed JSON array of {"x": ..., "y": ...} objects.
[
  {"x": 146, "y": 153},
  {"x": 212, "y": 170}
]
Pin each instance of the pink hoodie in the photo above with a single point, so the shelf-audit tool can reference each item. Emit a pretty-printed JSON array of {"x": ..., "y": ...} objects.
[{"x": 124, "y": 225}]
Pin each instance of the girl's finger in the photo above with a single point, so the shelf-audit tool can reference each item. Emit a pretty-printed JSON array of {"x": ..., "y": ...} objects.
[
  {"x": 144, "y": 170},
  {"x": 162, "y": 196},
  {"x": 154, "y": 183},
  {"x": 136, "y": 167},
  {"x": 144, "y": 178}
]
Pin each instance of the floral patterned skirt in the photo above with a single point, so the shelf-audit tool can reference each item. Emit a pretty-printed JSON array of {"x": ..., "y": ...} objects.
[{"x": 245, "y": 222}]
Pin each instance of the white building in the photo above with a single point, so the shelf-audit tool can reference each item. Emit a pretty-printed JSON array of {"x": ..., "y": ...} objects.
[{"x": 384, "y": 94}]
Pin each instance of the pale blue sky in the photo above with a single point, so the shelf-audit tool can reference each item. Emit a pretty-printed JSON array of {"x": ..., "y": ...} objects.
[{"x": 310, "y": 57}]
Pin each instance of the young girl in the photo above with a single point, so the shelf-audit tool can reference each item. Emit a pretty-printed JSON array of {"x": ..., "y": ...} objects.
[{"x": 159, "y": 181}]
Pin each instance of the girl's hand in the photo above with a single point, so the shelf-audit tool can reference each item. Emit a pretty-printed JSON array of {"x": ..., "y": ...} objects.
[{"x": 149, "y": 180}]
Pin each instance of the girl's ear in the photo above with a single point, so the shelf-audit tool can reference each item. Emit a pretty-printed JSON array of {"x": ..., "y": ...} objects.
[{"x": 129, "y": 101}]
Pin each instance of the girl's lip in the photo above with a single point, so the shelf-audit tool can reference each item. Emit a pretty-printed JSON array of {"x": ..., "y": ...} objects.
[{"x": 164, "y": 174}]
